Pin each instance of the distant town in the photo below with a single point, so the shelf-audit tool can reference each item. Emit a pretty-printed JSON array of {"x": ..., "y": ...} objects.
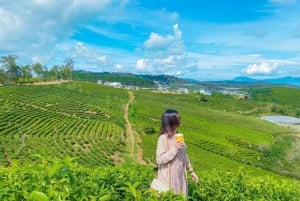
[{"x": 164, "y": 88}]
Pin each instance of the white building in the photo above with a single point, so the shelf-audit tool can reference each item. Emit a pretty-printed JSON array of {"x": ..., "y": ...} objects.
[
  {"x": 205, "y": 92},
  {"x": 113, "y": 84}
]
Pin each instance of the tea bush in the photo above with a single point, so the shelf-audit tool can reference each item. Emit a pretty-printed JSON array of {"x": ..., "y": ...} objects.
[{"x": 65, "y": 179}]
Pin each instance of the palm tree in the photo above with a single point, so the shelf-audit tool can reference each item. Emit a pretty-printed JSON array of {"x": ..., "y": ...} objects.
[{"x": 13, "y": 71}]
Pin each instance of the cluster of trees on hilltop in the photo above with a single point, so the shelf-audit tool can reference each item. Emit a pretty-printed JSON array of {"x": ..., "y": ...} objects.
[{"x": 11, "y": 71}]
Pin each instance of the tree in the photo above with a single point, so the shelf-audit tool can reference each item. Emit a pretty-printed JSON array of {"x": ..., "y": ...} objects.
[
  {"x": 13, "y": 71},
  {"x": 37, "y": 69},
  {"x": 45, "y": 72},
  {"x": 67, "y": 69},
  {"x": 26, "y": 72},
  {"x": 2, "y": 75},
  {"x": 55, "y": 72}
]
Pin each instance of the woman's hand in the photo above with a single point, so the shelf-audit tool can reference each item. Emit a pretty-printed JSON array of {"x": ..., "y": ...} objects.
[
  {"x": 194, "y": 177},
  {"x": 179, "y": 144}
]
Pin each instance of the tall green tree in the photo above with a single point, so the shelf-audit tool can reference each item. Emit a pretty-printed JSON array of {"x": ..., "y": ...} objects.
[
  {"x": 13, "y": 70},
  {"x": 37, "y": 69},
  {"x": 45, "y": 72},
  {"x": 26, "y": 73},
  {"x": 56, "y": 72},
  {"x": 67, "y": 69},
  {"x": 2, "y": 75}
]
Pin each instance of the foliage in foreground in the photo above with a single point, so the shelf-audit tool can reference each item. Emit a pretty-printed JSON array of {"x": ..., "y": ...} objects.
[{"x": 54, "y": 179}]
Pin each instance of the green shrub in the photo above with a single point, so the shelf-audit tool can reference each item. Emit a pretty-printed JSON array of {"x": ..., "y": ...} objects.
[{"x": 53, "y": 179}]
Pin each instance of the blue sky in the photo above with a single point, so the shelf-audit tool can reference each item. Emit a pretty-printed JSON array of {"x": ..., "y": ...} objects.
[{"x": 199, "y": 39}]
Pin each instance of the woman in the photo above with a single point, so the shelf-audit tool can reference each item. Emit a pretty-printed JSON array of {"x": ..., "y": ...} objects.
[{"x": 171, "y": 156}]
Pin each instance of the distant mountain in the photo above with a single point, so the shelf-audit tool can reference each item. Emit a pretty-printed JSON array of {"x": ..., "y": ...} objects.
[
  {"x": 290, "y": 81},
  {"x": 129, "y": 78},
  {"x": 241, "y": 81},
  {"x": 165, "y": 79},
  {"x": 294, "y": 81},
  {"x": 244, "y": 79}
]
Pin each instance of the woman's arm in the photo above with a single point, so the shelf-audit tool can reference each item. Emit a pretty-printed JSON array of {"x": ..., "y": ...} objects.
[
  {"x": 163, "y": 156},
  {"x": 191, "y": 170}
]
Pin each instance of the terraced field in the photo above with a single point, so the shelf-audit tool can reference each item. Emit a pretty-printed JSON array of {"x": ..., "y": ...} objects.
[
  {"x": 215, "y": 139},
  {"x": 72, "y": 119},
  {"x": 88, "y": 121}
]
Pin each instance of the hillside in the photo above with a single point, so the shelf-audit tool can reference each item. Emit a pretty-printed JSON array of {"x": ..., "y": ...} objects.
[
  {"x": 68, "y": 119},
  {"x": 123, "y": 78},
  {"x": 217, "y": 139},
  {"x": 139, "y": 80},
  {"x": 146, "y": 80},
  {"x": 90, "y": 122}
]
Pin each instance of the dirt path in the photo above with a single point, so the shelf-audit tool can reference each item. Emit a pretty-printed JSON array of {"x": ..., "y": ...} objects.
[{"x": 135, "y": 150}]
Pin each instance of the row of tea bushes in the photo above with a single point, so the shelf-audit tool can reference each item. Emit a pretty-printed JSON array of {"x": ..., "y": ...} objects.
[{"x": 56, "y": 179}]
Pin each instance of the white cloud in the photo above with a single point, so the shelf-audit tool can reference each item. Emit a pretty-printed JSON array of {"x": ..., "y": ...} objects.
[
  {"x": 170, "y": 63},
  {"x": 169, "y": 42},
  {"x": 95, "y": 59},
  {"x": 49, "y": 31},
  {"x": 158, "y": 42},
  {"x": 119, "y": 67},
  {"x": 264, "y": 68},
  {"x": 106, "y": 32},
  {"x": 163, "y": 54},
  {"x": 102, "y": 59},
  {"x": 172, "y": 59},
  {"x": 9, "y": 23},
  {"x": 143, "y": 65},
  {"x": 36, "y": 26}
]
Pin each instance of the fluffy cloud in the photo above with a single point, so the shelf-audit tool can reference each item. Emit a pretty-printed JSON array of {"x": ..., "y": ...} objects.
[
  {"x": 9, "y": 23},
  {"x": 36, "y": 26},
  {"x": 264, "y": 68},
  {"x": 84, "y": 54},
  {"x": 119, "y": 67},
  {"x": 143, "y": 65},
  {"x": 158, "y": 42},
  {"x": 165, "y": 54}
]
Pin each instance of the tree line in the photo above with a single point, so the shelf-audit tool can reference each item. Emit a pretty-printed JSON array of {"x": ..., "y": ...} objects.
[{"x": 12, "y": 72}]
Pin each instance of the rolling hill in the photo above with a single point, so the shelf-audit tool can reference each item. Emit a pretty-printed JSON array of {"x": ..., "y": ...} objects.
[
  {"x": 147, "y": 80},
  {"x": 105, "y": 126}
]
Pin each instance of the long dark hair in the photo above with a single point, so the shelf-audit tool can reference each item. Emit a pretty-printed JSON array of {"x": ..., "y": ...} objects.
[{"x": 169, "y": 122}]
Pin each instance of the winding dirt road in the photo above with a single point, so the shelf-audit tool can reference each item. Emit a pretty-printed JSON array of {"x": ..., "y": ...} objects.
[
  {"x": 135, "y": 151},
  {"x": 133, "y": 139}
]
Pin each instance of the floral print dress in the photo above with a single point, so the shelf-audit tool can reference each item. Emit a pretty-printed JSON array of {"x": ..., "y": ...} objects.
[{"x": 178, "y": 173}]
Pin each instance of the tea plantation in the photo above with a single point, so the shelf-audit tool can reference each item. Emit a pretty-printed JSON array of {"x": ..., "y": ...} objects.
[{"x": 77, "y": 141}]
